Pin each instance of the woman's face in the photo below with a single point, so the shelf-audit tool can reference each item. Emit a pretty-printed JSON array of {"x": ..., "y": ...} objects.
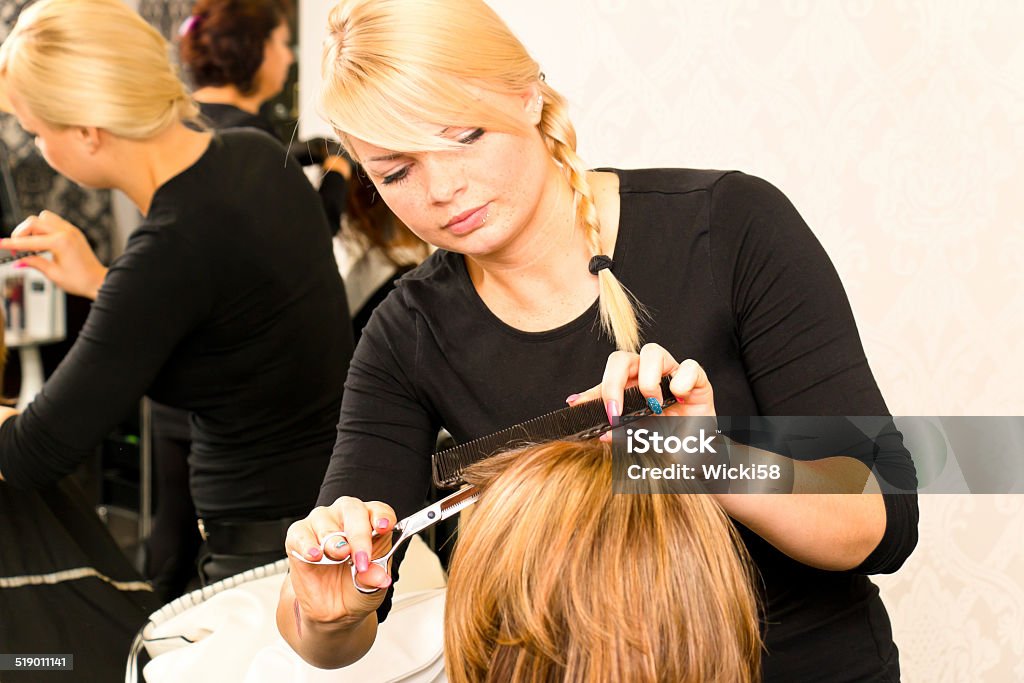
[
  {"x": 277, "y": 58},
  {"x": 474, "y": 200}
]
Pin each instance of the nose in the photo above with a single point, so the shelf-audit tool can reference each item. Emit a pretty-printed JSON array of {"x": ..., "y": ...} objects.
[{"x": 445, "y": 176}]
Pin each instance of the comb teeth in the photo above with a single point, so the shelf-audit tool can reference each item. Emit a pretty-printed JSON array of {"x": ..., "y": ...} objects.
[
  {"x": 584, "y": 421},
  {"x": 8, "y": 256}
]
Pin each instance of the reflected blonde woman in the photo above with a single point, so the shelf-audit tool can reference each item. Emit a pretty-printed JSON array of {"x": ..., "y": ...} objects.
[
  {"x": 555, "y": 578},
  {"x": 198, "y": 305}
]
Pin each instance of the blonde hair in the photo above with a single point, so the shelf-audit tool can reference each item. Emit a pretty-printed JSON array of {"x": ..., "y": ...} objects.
[
  {"x": 94, "y": 63},
  {"x": 389, "y": 65},
  {"x": 555, "y": 578}
]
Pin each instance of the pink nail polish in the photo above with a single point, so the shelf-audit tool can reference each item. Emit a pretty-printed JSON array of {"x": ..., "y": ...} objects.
[
  {"x": 314, "y": 552},
  {"x": 362, "y": 561},
  {"x": 20, "y": 264},
  {"x": 572, "y": 399},
  {"x": 382, "y": 523},
  {"x": 613, "y": 411}
]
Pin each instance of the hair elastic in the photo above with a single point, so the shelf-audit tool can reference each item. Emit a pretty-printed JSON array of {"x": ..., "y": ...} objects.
[
  {"x": 188, "y": 25},
  {"x": 599, "y": 263}
]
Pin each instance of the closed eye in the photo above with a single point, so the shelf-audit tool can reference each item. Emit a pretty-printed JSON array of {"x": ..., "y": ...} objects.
[
  {"x": 472, "y": 137},
  {"x": 396, "y": 177}
]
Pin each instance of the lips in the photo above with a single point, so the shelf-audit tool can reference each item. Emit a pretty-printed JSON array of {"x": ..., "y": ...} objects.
[{"x": 467, "y": 220}]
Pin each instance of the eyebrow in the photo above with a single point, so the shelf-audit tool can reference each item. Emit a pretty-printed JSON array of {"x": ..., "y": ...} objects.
[
  {"x": 386, "y": 157},
  {"x": 395, "y": 155}
]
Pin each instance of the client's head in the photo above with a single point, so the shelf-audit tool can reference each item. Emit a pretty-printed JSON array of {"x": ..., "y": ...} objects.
[{"x": 555, "y": 578}]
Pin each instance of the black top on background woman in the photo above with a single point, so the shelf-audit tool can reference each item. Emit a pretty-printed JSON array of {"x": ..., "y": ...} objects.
[{"x": 237, "y": 55}]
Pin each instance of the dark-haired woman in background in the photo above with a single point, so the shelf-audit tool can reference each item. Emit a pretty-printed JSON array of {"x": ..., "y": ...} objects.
[{"x": 237, "y": 54}]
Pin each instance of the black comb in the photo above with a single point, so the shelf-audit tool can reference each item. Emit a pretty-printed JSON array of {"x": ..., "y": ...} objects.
[
  {"x": 8, "y": 256},
  {"x": 586, "y": 420}
]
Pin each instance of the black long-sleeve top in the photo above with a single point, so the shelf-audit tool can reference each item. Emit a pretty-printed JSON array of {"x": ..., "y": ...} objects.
[
  {"x": 333, "y": 189},
  {"x": 733, "y": 278},
  {"x": 227, "y": 303}
]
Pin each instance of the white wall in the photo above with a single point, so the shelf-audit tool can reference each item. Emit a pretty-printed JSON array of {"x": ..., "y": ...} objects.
[{"x": 897, "y": 129}]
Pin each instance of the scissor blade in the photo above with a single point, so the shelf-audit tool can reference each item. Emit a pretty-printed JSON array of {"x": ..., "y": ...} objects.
[{"x": 459, "y": 500}]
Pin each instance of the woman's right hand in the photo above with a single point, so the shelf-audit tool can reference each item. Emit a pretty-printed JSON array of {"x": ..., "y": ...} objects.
[
  {"x": 74, "y": 267},
  {"x": 325, "y": 594}
]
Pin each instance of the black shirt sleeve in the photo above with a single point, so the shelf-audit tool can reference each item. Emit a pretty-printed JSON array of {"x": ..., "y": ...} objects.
[
  {"x": 797, "y": 335},
  {"x": 385, "y": 434},
  {"x": 147, "y": 302}
]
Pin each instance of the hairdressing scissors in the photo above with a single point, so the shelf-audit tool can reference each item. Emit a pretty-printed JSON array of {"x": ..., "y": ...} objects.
[{"x": 406, "y": 528}]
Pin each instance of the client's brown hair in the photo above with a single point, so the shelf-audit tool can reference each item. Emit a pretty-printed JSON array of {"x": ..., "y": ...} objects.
[{"x": 555, "y": 578}]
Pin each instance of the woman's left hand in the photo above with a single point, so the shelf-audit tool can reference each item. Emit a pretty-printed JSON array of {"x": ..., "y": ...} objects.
[{"x": 690, "y": 386}]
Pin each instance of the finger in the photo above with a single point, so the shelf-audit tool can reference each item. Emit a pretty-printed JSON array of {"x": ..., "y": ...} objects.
[
  {"x": 374, "y": 576},
  {"x": 326, "y": 521},
  {"x": 51, "y": 220},
  {"x": 692, "y": 388},
  {"x": 687, "y": 376},
  {"x": 358, "y": 528},
  {"x": 382, "y": 517},
  {"x": 590, "y": 394},
  {"x": 382, "y": 522},
  {"x": 619, "y": 372},
  {"x": 45, "y": 223},
  {"x": 41, "y": 242},
  {"x": 655, "y": 363},
  {"x": 303, "y": 539},
  {"x": 24, "y": 227}
]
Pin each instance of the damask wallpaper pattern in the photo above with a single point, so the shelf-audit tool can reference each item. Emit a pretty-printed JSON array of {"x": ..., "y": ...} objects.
[{"x": 165, "y": 15}]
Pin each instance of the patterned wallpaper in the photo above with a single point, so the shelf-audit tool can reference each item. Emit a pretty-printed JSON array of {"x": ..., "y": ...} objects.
[
  {"x": 165, "y": 15},
  {"x": 897, "y": 129}
]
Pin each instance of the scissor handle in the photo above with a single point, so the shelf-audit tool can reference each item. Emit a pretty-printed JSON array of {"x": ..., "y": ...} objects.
[{"x": 381, "y": 561}]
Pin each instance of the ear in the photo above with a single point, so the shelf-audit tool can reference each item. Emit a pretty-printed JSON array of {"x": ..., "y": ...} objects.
[
  {"x": 533, "y": 103},
  {"x": 91, "y": 138}
]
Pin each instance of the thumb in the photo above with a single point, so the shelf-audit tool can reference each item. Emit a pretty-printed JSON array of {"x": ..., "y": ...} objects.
[{"x": 590, "y": 394}]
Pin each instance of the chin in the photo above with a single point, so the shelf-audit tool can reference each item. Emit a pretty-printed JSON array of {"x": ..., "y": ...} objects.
[
  {"x": 90, "y": 183},
  {"x": 477, "y": 244}
]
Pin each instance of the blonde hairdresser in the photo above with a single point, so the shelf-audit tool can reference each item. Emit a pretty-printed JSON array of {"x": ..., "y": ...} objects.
[
  {"x": 450, "y": 89},
  {"x": 550, "y": 278}
]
